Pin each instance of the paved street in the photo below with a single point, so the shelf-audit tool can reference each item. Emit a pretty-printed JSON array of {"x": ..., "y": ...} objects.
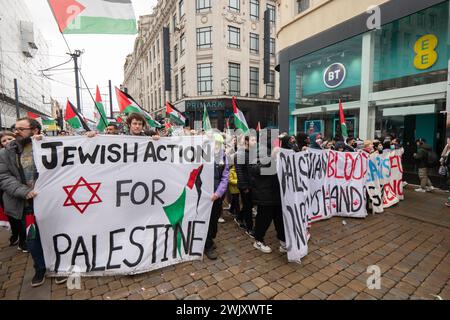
[{"x": 413, "y": 256}]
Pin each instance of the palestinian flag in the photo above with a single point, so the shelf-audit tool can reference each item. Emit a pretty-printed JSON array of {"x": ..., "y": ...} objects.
[
  {"x": 73, "y": 118},
  {"x": 174, "y": 114},
  {"x": 239, "y": 119},
  {"x": 94, "y": 16},
  {"x": 206, "y": 122},
  {"x": 30, "y": 224},
  {"x": 175, "y": 211},
  {"x": 103, "y": 122},
  {"x": 46, "y": 122},
  {"x": 342, "y": 121},
  {"x": 128, "y": 105},
  {"x": 258, "y": 127}
]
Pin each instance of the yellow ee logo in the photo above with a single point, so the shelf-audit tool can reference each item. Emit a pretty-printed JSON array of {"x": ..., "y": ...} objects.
[{"x": 426, "y": 55}]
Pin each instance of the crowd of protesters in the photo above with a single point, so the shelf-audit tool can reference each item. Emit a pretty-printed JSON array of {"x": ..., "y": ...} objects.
[{"x": 253, "y": 197}]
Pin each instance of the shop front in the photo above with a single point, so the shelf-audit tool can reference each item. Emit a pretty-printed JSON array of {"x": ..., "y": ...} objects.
[
  {"x": 391, "y": 81},
  {"x": 220, "y": 112}
]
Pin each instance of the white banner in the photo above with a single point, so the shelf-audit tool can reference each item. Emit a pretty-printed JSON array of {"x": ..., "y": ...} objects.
[
  {"x": 122, "y": 205},
  {"x": 385, "y": 179},
  {"x": 317, "y": 185}
]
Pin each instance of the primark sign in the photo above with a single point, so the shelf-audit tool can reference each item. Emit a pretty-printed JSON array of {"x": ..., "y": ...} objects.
[{"x": 199, "y": 105}]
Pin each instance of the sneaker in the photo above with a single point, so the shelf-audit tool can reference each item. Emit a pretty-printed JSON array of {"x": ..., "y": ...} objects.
[
  {"x": 262, "y": 247},
  {"x": 38, "y": 279},
  {"x": 13, "y": 241},
  {"x": 420, "y": 190},
  {"x": 221, "y": 220},
  {"x": 405, "y": 183},
  {"x": 211, "y": 254},
  {"x": 283, "y": 248},
  {"x": 250, "y": 233},
  {"x": 60, "y": 280},
  {"x": 429, "y": 189},
  {"x": 23, "y": 248}
]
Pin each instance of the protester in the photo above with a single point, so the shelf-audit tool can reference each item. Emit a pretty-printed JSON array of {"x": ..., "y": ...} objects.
[
  {"x": 112, "y": 129},
  {"x": 445, "y": 163},
  {"x": 340, "y": 146},
  {"x": 421, "y": 158},
  {"x": 315, "y": 141},
  {"x": 17, "y": 178},
  {"x": 233, "y": 190},
  {"x": 267, "y": 196},
  {"x": 350, "y": 145},
  {"x": 245, "y": 219},
  {"x": 302, "y": 141},
  {"x": 221, "y": 177}
]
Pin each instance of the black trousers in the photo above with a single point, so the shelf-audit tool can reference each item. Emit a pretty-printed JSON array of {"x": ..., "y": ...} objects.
[
  {"x": 213, "y": 221},
  {"x": 263, "y": 219},
  {"x": 246, "y": 211},
  {"x": 235, "y": 204},
  {"x": 18, "y": 230}
]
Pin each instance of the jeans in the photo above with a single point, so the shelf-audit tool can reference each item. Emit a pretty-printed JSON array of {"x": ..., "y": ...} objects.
[
  {"x": 35, "y": 248},
  {"x": 424, "y": 180},
  {"x": 263, "y": 219}
]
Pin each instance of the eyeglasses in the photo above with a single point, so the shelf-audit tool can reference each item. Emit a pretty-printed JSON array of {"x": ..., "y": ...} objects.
[{"x": 22, "y": 129}]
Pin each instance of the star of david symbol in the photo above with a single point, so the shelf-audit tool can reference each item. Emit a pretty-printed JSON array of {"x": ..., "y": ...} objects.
[{"x": 81, "y": 206}]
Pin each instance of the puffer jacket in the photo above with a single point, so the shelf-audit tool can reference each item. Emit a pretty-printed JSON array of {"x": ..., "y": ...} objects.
[
  {"x": 422, "y": 155},
  {"x": 14, "y": 191},
  {"x": 243, "y": 169},
  {"x": 266, "y": 188}
]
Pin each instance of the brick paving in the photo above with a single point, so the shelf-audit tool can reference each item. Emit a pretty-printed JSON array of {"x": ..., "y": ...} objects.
[{"x": 410, "y": 243}]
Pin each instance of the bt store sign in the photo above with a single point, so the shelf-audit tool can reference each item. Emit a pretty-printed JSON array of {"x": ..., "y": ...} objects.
[{"x": 334, "y": 75}]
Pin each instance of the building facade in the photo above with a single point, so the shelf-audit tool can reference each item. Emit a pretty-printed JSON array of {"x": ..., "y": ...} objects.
[
  {"x": 213, "y": 50},
  {"x": 388, "y": 65},
  {"x": 23, "y": 53}
]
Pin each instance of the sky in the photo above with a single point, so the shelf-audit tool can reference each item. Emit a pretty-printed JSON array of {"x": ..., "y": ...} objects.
[{"x": 103, "y": 58}]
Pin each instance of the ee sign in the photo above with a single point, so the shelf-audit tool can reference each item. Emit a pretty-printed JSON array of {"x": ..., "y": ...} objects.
[
  {"x": 425, "y": 49},
  {"x": 334, "y": 75}
]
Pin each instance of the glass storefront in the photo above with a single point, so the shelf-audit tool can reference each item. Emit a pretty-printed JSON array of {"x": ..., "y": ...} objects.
[{"x": 406, "y": 56}]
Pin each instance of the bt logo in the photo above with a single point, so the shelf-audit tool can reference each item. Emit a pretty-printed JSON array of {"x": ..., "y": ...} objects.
[
  {"x": 334, "y": 75},
  {"x": 426, "y": 56}
]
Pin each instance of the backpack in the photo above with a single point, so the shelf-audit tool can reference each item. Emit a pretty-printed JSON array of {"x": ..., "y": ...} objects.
[{"x": 432, "y": 159}]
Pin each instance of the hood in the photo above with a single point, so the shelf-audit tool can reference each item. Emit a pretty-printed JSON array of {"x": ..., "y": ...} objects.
[{"x": 313, "y": 144}]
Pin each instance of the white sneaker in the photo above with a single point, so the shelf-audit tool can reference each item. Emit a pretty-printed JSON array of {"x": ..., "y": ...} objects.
[
  {"x": 420, "y": 190},
  {"x": 283, "y": 248},
  {"x": 262, "y": 247},
  {"x": 221, "y": 220},
  {"x": 429, "y": 189},
  {"x": 405, "y": 183}
]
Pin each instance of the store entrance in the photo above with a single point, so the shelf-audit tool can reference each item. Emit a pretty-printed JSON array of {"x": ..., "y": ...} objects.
[{"x": 409, "y": 123}]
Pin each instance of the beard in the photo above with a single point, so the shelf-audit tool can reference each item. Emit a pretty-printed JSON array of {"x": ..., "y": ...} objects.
[{"x": 23, "y": 141}]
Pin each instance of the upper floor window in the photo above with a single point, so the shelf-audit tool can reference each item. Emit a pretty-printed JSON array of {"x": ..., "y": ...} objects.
[
  {"x": 254, "y": 43},
  {"x": 203, "y": 5},
  {"x": 204, "y": 37},
  {"x": 181, "y": 8},
  {"x": 303, "y": 5},
  {"x": 272, "y": 46},
  {"x": 182, "y": 44},
  {"x": 234, "y": 37},
  {"x": 254, "y": 9},
  {"x": 271, "y": 13},
  {"x": 234, "y": 5}
]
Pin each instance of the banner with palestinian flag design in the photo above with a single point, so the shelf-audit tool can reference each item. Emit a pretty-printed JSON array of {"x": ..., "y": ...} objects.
[
  {"x": 122, "y": 204},
  {"x": 94, "y": 16}
]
